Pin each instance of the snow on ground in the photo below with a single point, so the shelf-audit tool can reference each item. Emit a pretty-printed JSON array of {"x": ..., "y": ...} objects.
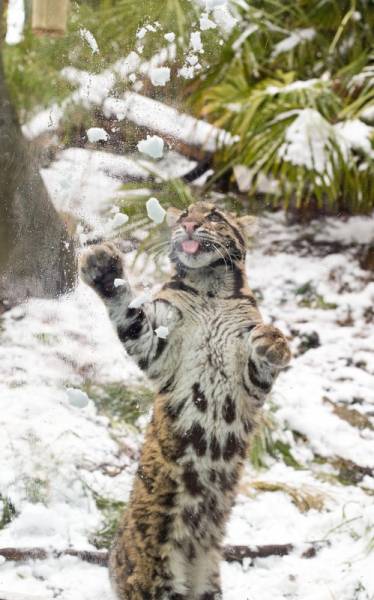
[{"x": 55, "y": 454}]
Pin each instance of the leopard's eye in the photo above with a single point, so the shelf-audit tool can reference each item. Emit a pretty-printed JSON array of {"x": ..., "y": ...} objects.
[
  {"x": 214, "y": 217},
  {"x": 183, "y": 215}
]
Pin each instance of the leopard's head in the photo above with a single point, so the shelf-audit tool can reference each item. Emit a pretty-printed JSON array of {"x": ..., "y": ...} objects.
[{"x": 204, "y": 235}]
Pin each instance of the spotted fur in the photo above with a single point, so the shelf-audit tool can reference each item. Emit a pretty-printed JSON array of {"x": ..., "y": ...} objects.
[{"x": 212, "y": 374}]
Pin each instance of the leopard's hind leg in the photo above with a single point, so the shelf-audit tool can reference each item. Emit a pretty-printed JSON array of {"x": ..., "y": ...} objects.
[{"x": 205, "y": 575}]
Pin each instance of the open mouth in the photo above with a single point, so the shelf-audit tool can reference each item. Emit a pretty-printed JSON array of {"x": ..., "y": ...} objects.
[{"x": 190, "y": 246}]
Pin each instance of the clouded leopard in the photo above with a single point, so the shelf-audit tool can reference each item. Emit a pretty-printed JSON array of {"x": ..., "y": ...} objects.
[{"x": 212, "y": 374}]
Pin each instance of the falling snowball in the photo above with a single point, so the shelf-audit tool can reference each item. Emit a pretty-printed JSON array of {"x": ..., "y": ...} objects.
[
  {"x": 118, "y": 220},
  {"x": 97, "y": 134},
  {"x": 153, "y": 146},
  {"x": 118, "y": 282},
  {"x": 155, "y": 210},
  {"x": 196, "y": 42},
  {"x": 90, "y": 39},
  {"x": 169, "y": 37},
  {"x": 77, "y": 398},
  {"x": 162, "y": 332},
  {"x": 160, "y": 75},
  {"x": 206, "y": 23}
]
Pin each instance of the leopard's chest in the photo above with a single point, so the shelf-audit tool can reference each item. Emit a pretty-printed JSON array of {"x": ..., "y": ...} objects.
[{"x": 213, "y": 350}]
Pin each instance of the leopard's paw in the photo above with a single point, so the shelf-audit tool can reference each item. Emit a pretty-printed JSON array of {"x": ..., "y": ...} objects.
[
  {"x": 270, "y": 344},
  {"x": 100, "y": 265}
]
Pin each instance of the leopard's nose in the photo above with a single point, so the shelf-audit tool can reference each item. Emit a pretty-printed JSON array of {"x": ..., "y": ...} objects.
[{"x": 190, "y": 226}]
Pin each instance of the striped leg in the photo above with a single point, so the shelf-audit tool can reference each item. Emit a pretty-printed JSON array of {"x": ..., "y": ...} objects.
[
  {"x": 100, "y": 266},
  {"x": 269, "y": 352}
]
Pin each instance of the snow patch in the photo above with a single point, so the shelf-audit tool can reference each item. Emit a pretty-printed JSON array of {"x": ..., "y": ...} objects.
[
  {"x": 97, "y": 134},
  {"x": 77, "y": 398},
  {"x": 357, "y": 135},
  {"x": 294, "y": 39}
]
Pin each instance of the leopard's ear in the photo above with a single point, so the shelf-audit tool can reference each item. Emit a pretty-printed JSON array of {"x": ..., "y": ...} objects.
[
  {"x": 248, "y": 225},
  {"x": 172, "y": 215}
]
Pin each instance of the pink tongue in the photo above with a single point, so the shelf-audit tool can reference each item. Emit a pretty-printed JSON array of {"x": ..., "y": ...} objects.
[{"x": 190, "y": 246}]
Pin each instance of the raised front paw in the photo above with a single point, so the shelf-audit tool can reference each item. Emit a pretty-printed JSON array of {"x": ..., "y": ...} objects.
[
  {"x": 99, "y": 266},
  {"x": 270, "y": 344}
]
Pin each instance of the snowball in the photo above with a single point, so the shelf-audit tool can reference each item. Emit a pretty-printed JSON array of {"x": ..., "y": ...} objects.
[
  {"x": 155, "y": 210},
  {"x": 160, "y": 75},
  {"x": 141, "y": 33},
  {"x": 118, "y": 220},
  {"x": 118, "y": 282},
  {"x": 97, "y": 134},
  {"x": 141, "y": 299},
  {"x": 186, "y": 72},
  {"x": 169, "y": 37},
  {"x": 192, "y": 59},
  {"x": 153, "y": 146},
  {"x": 87, "y": 36},
  {"x": 162, "y": 332},
  {"x": 206, "y": 23},
  {"x": 196, "y": 42},
  {"x": 77, "y": 398}
]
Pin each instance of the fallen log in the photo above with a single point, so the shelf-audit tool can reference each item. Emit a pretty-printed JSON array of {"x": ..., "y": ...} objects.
[{"x": 230, "y": 553}]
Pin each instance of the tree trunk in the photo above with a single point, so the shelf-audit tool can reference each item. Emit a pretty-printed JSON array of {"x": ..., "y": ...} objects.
[{"x": 37, "y": 257}]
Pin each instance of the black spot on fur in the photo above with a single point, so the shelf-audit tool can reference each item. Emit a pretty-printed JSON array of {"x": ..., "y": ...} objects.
[
  {"x": 168, "y": 386},
  {"x": 214, "y": 513},
  {"x": 238, "y": 282},
  {"x": 251, "y": 300},
  {"x": 179, "y": 285},
  {"x": 164, "y": 528},
  {"x": 212, "y": 475},
  {"x": 254, "y": 376},
  {"x": 210, "y": 595},
  {"x": 215, "y": 449},
  {"x": 248, "y": 426},
  {"x": 228, "y": 410},
  {"x": 233, "y": 445},
  {"x": 191, "y": 518},
  {"x": 228, "y": 480},
  {"x": 132, "y": 331},
  {"x": 196, "y": 436},
  {"x": 198, "y": 398},
  {"x": 142, "y": 527},
  {"x": 143, "y": 364},
  {"x": 174, "y": 409},
  {"x": 191, "y": 552},
  {"x": 161, "y": 345},
  {"x": 145, "y": 479},
  {"x": 191, "y": 480}
]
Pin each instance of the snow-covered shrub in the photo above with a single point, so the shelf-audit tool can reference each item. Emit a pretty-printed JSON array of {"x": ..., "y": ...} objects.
[{"x": 296, "y": 84}]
